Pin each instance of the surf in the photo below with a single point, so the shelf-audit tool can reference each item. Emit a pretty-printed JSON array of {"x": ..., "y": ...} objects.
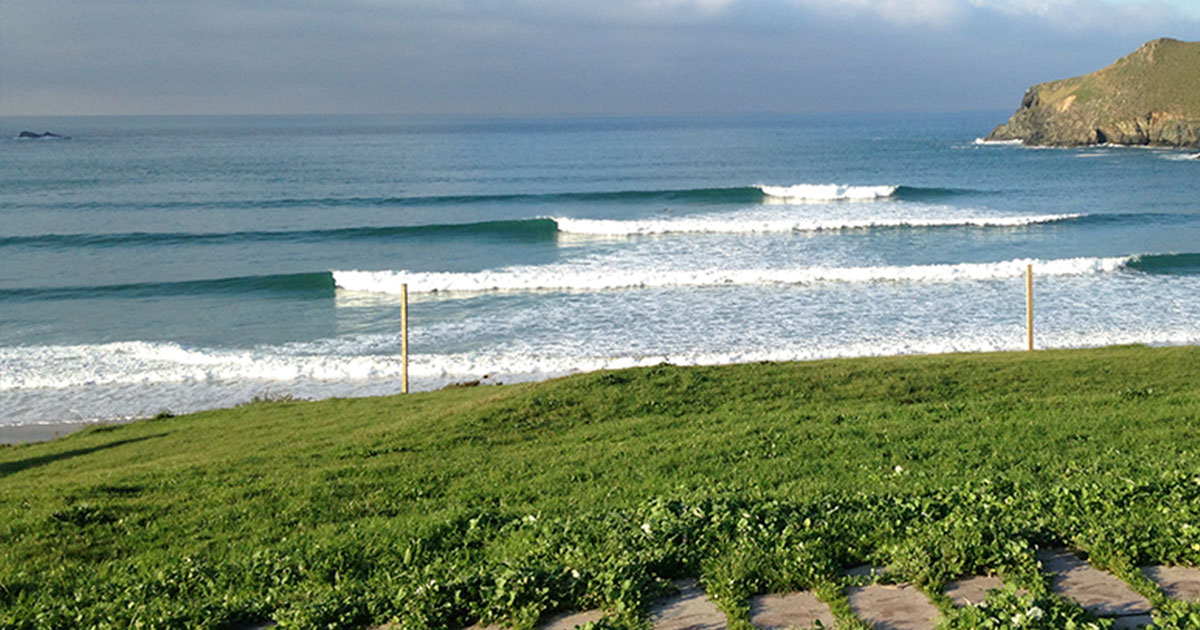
[
  {"x": 564, "y": 278},
  {"x": 717, "y": 224},
  {"x": 827, "y": 192},
  {"x": 756, "y": 193}
]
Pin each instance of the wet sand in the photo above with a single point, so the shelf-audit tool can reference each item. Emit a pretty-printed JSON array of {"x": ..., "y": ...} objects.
[{"x": 26, "y": 433}]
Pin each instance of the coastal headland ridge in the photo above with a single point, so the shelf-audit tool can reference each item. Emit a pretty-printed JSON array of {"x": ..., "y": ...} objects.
[{"x": 1150, "y": 97}]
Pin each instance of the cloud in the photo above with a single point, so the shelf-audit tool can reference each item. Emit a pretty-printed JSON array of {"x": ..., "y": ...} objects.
[
  {"x": 554, "y": 56},
  {"x": 1067, "y": 14},
  {"x": 902, "y": 12}
]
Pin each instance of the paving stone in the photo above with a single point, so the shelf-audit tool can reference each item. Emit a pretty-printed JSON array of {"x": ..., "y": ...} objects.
[
  {"x": 691, "y": 609},
  {"x": 570, "y": 621},
  {"x": 793, "y": 610},
  {"x": 1177, "y": 582},
  {"x": 972, "y": 590},
  {"x": 1131, "y": 622},
  {"x": 893, "y": 607},
  {"x": 1098, "y": 592}
]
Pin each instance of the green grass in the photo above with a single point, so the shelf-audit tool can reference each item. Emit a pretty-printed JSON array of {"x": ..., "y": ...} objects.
[
  {"x": 506, "y": 503},
  {"x": 1163, "y": 75}
]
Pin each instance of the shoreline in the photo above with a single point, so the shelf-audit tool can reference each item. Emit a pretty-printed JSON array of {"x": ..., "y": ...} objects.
[{"x": 12, "y": 435}]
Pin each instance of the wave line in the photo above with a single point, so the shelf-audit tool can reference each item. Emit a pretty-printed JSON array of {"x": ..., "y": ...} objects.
[
  {"x": 693, "y": 225},
  {"x": 538, "y": 279},
  {"x": 728, "y": 194},
  {"x": 539, "y": 229}
]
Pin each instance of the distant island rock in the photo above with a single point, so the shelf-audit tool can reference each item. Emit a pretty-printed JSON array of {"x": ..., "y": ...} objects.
[
  {"x": 1150, "y": 97},
  {"x": 33, "y": 135}
]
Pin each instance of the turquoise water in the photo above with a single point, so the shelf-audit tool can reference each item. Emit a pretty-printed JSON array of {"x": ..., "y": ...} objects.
[{"x": 155, "y": 264}]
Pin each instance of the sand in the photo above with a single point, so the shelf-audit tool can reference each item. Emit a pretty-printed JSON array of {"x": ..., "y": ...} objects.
[{"x": 26, "y": 433}]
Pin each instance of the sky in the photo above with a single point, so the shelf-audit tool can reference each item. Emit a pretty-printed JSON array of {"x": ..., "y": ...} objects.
[{"x": 558, "y": 57}]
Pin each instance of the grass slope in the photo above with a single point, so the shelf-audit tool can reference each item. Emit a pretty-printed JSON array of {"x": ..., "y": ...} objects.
[
  {"x": 1149, "y": 97},
  {"x": 1162, "y": 75},
  {"x": 506, "y": 503}
]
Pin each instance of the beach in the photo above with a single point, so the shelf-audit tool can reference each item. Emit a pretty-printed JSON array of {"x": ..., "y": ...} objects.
[{"x": 31, "y": 433}]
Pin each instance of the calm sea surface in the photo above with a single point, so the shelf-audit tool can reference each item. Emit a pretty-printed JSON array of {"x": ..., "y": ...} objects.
[{"x": 175, "y": 264}]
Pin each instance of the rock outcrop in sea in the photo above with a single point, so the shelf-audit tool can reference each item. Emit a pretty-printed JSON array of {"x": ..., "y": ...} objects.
[
  {"x": 1149, "y": 97},
  {"x": 33, "y": 135}
]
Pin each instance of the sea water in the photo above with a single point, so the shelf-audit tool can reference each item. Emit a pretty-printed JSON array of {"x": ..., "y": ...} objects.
[{"x": 175, "y": 264}]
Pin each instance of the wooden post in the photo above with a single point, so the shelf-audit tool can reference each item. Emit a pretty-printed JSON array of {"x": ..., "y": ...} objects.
[
  {"x": 404, "y": 338},
  {"x": 1029, "y": 305}
]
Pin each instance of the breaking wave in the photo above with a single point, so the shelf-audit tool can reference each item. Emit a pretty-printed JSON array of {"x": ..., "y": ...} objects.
[
  {"x": 985, "y": 141},
  {"x": 529, "y": 279},
  {"x": 827, "y": 192},
  {"x": 731, "y": 194},
  {"x": 323, "y": 284},
  {"x": 763, "y": 225}
]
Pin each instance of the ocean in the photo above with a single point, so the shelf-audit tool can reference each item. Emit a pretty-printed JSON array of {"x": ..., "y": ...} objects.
[{"x": 161, "y": 264}]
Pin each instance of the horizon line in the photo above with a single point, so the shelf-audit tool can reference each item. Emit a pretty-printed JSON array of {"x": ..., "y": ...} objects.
[{"x": 564, "y": 115}]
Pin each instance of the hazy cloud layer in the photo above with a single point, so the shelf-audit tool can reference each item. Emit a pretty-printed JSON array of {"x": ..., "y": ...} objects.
[{"x": 555, "y": 56}]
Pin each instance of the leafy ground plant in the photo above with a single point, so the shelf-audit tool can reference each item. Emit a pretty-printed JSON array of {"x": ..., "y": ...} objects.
[
  {"x": 1005, "y": 609},
  {"x": 506, "y": 504}
]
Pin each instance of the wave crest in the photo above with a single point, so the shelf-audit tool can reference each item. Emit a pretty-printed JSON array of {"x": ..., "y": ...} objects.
[
  {"x": 985, "y": 141},
  {"x": 718, "y": 225},
  {"x": 827, "y": 192},
  {"x": 532, "y": 279}
]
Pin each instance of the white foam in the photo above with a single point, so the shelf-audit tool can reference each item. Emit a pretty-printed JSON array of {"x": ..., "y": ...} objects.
[
  {"x": 68, "y": 394},
  {"x": 567, "y": 278},
  {"x": 1180, "y": 157},
  {"x": 140, "y": 362},
  {"x": 531, "y": 339},
  {"x": 827, "y": 192},
  {"x": 985, "y": 141},
  {"x": 783, "y": 224}
]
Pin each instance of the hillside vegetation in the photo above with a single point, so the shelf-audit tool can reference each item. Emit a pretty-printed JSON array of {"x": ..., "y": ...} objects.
[
  {"x": 505, "y": 503},
  {"x": 1149, "y": 97}
]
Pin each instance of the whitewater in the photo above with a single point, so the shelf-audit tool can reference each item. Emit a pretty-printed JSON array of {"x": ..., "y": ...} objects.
[
  {"x": 174, "y": 265},
  {"x": 550, "y": 278}
]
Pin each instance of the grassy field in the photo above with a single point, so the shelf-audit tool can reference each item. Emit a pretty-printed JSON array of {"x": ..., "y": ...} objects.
[
  {"x": 508, "y": 502},
  {"x": 1160, "y": 75}
]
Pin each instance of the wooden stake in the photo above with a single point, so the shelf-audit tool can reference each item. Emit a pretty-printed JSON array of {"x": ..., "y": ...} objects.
[
  {"x": 404, "y": 338},
  {"x": 1029, "y": 305}
]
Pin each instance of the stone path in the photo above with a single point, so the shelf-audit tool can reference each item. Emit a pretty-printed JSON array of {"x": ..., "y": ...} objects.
[
  {"x": 904, "y": 607},
  {"x": 972, "y": 590},
  {"x": 893, "y": 607},
  {"x": 794, "y": 610},
  {"x": 1099, "y": 593},
  {"x": 566, "y": 621},
  {"x": 570, "y": 621},
  {"x": 1176, "y": 582},
  {"x": 691, "y": 609}
]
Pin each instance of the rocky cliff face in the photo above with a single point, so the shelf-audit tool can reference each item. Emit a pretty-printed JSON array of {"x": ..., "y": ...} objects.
[{"x": 1150, "y": 97}]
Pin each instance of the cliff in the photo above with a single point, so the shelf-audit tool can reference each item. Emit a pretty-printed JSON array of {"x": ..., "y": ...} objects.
[{"x": 1149, "y": 97}]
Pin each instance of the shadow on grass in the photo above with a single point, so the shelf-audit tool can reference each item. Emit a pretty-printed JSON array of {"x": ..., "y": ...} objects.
[{"x": 8, "y": 468}]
